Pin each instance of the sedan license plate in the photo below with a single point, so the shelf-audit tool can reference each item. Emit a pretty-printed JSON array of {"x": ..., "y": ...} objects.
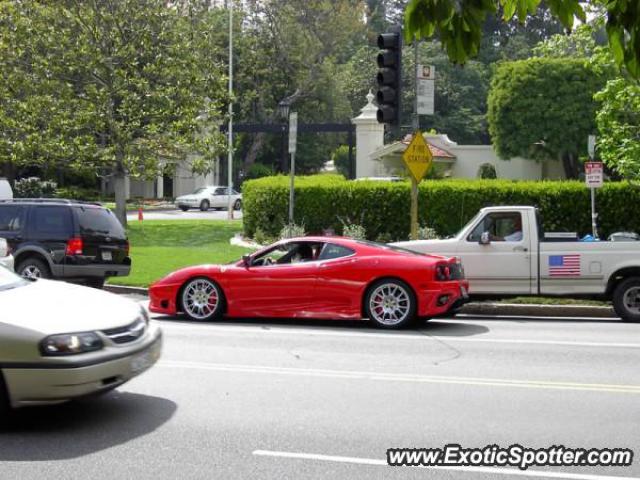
[{"x": 107, "y": 256}]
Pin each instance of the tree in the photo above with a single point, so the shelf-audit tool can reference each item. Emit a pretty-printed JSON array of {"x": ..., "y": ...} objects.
[
  {"x": 543, "y": 108},
  {"x": 618, "y": 114},
  {"x": 113, "y": 85},
  {"x": 292, "y": 50},
  {"x": 618, "y": 121},
  {"x": 458, "y": 24}
]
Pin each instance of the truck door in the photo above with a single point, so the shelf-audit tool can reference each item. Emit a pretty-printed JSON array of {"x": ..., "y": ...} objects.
[{"x": 496, "y": 254}]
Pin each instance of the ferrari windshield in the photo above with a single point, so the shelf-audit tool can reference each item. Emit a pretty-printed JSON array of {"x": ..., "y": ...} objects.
[{"x": 8, "y": 279}]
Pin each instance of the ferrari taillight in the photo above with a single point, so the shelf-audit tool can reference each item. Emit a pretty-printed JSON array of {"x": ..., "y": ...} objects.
[{"x": 443, "y": 273}]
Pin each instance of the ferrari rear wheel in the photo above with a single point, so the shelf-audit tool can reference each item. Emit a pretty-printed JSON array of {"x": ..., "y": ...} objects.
[
  {"x": 390, "y": 303},
  {"x": 202, "y": 299}
]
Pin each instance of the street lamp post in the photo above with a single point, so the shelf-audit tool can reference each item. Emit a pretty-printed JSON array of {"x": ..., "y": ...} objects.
[{"x": 230, "y": 137}]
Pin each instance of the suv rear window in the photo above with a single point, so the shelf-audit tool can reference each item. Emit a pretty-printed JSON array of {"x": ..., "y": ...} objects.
[{"x": 99, "y": 221}]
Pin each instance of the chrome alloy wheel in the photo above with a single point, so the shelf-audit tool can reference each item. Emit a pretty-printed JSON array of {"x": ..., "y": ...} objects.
[
  {"x": 31, "y": 272},
  {"x": 389, "y": 304},
  {"x": 631, "y": 300},
  {"x": 200, "y": 299}
]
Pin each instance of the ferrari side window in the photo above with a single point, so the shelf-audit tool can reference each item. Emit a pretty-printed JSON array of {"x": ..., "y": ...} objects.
[{"x": 331, "y": 250}]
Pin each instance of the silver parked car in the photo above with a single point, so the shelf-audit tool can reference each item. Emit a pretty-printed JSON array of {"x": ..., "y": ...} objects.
[
  {"x": 205, "y": 198},
  {"x": 59, "y": 341}
]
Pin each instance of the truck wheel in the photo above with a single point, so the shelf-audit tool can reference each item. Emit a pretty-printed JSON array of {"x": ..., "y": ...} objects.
[
  {"x": 390, "y": 303},
  {"x": 626, "y": 299}
]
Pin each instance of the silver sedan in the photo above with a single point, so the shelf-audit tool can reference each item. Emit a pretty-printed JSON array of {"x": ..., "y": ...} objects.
[
  {"x": 60, "y": 341},
  {"x": 205, "y": 198}
]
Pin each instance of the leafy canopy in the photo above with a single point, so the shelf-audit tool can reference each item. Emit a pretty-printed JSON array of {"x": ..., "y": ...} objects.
[{"x": 458, "y": 23}]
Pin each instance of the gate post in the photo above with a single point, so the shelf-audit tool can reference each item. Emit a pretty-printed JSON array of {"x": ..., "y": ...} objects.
[{"x": 369, "y": 137}]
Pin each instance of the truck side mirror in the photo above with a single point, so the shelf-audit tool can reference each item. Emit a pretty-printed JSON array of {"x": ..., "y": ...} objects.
[
  {"x": 246, "y": 260},
  {"x": 485, "y": 239}
]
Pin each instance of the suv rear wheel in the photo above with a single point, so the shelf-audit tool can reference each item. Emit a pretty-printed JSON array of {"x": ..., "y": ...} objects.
[{"x": 33, "y": 268}]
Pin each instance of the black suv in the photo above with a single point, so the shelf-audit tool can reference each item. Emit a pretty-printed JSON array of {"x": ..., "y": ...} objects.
[{"x": 65, "y": 239}]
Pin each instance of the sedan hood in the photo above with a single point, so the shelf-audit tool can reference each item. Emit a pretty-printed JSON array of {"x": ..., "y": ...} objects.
[{"x": 53, "y": 307}]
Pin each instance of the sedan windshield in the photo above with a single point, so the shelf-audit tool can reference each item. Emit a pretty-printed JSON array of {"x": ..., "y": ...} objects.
[{"x": 8, "y": 279}]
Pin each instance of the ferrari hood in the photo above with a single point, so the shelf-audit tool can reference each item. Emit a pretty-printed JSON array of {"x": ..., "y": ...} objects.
[{"x": 51, "y": 307}]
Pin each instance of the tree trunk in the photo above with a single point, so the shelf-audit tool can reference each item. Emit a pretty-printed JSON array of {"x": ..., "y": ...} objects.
[
  {"x": 570, "y": 164},
  {"x": 121, "y": 195},
  {"x": 254, "y": 150}
]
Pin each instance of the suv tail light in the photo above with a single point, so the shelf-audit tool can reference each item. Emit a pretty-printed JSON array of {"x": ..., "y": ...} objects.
[
  {"x": 443, "y": 272},
  {"x": 74, "y": 246},
  {"x": 126, "y": 248}
]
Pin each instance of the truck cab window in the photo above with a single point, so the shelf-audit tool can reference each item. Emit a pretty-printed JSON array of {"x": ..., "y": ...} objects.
[{"x": 502, "y": 227}]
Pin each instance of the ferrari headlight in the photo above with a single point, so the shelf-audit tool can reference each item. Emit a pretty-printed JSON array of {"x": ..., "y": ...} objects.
[{"x": 71, "y": 344}]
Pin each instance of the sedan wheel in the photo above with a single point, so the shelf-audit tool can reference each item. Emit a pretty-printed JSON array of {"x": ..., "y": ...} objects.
[
  {"x": 390, "y": 304},
  {"x": 204, "y": 205},
  {"x": 237, "y": 205},
  {"x": 202, "y": 299}
]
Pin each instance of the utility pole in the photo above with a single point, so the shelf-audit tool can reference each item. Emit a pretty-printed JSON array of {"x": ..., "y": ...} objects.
[{"x": 230, "y": 137}]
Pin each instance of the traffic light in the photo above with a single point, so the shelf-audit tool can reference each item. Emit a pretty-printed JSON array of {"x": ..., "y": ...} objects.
[{"x": 389, "y": 78}]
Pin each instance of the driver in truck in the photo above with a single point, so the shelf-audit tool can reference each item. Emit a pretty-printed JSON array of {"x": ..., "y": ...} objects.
[{"x": 516, "y": 234}]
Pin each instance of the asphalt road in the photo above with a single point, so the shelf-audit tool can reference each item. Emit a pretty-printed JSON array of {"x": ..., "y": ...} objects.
[
  {"x": 290, "y": 400},
  {"x": 188, "y": 215}
]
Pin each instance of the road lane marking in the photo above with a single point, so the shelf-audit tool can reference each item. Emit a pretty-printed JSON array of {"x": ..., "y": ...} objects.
[
  {"x": 402, "y": 377},
  {"x": 225, "y": 329},
  {"x": 487, "y": 470}
]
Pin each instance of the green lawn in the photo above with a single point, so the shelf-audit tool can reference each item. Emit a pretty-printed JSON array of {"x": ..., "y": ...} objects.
[{"x": 159, "y": 247}]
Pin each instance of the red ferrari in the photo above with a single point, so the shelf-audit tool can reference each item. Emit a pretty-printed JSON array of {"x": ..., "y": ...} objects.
[{"x": 320, "y": 278}]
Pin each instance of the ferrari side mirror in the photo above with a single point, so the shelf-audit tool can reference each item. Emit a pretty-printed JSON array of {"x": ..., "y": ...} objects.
[{"x": 246, "y": 260}]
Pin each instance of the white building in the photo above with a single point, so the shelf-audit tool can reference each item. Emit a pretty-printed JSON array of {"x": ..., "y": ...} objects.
[{"x": 374, "y": 159}]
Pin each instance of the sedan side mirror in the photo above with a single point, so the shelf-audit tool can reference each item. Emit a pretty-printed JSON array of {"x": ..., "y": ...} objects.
[
  {"x": 485, "y": 239},
  {"x": 246, "y": 260}
]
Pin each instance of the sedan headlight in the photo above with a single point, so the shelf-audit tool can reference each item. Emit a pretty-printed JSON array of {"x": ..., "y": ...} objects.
[
  {"x": 144, "y": 315},
  {"x": 71, "y": 344}
]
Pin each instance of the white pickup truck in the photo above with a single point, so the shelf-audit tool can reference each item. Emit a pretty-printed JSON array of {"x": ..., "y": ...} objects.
[{"x": 504, "y": 253}]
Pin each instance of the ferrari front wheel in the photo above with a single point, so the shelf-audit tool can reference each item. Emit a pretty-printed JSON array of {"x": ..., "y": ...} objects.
[
  {"x": 390, "y": 303},
  {"x": 202, "y": 299}
]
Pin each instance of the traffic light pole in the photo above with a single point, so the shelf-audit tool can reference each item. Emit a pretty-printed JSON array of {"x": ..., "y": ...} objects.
[{"x": 416, "y": 118}]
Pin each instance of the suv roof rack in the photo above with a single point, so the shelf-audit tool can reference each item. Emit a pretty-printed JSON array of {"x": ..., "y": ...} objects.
[{"x": 64, "y": 201}]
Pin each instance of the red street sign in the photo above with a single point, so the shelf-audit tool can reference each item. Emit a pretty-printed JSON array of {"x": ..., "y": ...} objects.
[{"x": 594, "y": 173}]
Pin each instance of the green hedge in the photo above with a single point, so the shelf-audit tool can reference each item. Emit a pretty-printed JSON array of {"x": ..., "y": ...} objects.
[{"x": 325, "y": 201}]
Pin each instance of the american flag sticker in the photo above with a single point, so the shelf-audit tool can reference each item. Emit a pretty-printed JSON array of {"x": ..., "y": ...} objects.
[{"x": 564, "y": 265}]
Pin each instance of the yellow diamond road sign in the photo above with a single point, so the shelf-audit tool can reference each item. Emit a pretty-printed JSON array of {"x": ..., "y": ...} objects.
[{"x": 417, "y": 157}]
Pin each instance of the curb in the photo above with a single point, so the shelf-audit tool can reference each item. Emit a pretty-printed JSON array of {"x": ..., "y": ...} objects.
[
  {"x": 123, "y": 290},
  {"x": 534, "y": 310},
  {"x": 474, "y": 308}
]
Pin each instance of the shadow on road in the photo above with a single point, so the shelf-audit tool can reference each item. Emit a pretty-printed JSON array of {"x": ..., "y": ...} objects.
[
  {"x": 431, "y": 327},
  {"x": 81, "y": 427},
  {"x": 452, "y": 329}
]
